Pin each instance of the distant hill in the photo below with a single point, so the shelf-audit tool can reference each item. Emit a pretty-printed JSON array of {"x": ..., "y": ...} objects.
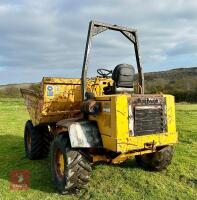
[
  {"x": 17, "y": 86},
  {"x": 181, "y": 82},
  {"x": 13, "y": 90},
  {"x": 173, "y": 74}
]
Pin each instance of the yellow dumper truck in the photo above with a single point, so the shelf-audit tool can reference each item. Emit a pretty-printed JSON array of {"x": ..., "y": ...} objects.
[{"x": 107, "y": 118}]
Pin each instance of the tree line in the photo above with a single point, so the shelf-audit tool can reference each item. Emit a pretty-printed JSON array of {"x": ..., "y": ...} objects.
[
  {"x": 184, "y": 90},
  {"x": 182, "y": 83}
]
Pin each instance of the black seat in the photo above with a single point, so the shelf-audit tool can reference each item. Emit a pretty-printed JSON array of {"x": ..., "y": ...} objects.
[{"x": 123, "y": 77}]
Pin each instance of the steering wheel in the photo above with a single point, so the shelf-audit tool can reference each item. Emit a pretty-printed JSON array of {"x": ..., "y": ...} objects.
[{"x": 104, "y": 72}]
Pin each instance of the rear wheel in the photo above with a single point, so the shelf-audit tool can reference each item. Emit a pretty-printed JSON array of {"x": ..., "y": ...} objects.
[
  {"x": 36, "y": 140},
  {"x": 70, "y": 169},
  {"x": 156, "y": 161}
]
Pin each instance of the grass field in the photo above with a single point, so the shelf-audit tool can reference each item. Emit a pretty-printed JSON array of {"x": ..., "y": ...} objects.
[{"x": 125, "y": 181}]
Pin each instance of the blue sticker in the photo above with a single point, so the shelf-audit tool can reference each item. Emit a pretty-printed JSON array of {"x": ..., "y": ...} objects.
[{"x": 50, "y": 90}]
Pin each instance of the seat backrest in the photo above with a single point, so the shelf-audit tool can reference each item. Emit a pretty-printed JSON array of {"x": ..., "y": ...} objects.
[{"x": 123, "y": 76}]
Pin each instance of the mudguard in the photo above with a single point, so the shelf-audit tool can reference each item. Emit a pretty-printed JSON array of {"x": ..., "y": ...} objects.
[{"x": 84, "y": 134}]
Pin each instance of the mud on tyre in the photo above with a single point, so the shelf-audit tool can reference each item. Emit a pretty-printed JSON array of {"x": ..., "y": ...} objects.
[
  {"x": 156, "y": 161},
  {"x": 70, "y": 169}
]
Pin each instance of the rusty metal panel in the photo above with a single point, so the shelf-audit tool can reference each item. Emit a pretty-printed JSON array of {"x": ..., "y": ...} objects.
[
  {"x": 59, "y": 98},
  {"x": 149, "y": 113},
  {"x": 33, "y": 102}
]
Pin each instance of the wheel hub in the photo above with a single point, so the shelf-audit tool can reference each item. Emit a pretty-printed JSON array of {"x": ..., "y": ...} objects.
[{"x": 59, "y": 162}]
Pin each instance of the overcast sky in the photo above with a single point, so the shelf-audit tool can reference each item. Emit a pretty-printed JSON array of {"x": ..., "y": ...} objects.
[{"x": 47, "y": 38}]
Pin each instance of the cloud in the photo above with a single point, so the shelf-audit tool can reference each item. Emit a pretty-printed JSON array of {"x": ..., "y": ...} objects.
[
  {"x": 47, "y": 38},
  {"x": 183, "y": 48}
]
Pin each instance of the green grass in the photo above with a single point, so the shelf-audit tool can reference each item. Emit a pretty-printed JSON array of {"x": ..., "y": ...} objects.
[{"x": 125, "y": 181}]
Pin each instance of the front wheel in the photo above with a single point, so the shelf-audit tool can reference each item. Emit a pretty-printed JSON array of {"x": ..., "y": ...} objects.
[
  {"x": 156, "y": 161},
  {"x": 70, "y": 169}
]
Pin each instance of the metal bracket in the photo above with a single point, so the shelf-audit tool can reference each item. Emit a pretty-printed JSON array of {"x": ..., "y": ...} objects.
[
  {"x": 98, "y": 29},
  {"x": 129, "y": 36}
]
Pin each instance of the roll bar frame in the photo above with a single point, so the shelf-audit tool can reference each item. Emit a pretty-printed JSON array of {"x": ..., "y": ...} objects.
[{"x": 96, "y": 28}]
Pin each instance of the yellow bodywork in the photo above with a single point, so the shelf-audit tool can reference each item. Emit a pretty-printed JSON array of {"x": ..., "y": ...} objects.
[
  {"x": 63, "y": 99},
  {"x": 60, "y": 98},
  {"x": 114, "y": 127}
]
